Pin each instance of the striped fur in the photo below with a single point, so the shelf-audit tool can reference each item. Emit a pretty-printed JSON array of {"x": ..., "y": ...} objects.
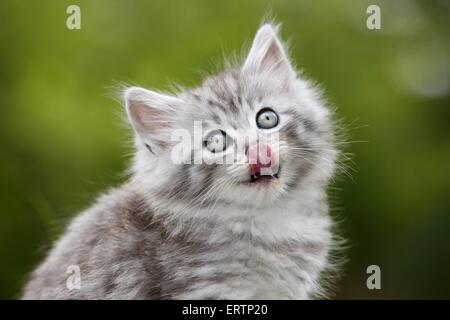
[{"x": 198, "y": 230}]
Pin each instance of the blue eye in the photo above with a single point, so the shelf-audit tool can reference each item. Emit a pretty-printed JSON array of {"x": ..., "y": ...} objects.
[
  {"x": 266, "y": 119},
  {"x": 216, "y": 141}
]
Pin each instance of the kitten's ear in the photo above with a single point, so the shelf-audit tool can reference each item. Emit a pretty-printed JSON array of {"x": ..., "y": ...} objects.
[
  {"x": 268, "y": 56},
  {"x": 152, "y": 115}
]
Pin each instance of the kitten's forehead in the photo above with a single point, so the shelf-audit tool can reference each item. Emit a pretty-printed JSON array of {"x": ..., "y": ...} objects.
[{"x": 228, "y": 97}]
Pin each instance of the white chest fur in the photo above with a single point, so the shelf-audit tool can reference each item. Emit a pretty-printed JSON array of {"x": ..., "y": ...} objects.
[{"x": 275, "y": 256}]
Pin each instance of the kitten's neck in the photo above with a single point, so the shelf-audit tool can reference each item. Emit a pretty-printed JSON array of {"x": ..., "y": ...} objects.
[{"x": 300, "y": 217}]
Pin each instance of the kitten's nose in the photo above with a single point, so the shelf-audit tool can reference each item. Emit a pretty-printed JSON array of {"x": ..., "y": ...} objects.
[{"x": 260, "y": 156}]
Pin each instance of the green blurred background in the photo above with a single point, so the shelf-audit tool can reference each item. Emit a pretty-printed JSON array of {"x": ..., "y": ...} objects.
[{"x": 63, "y": 141}]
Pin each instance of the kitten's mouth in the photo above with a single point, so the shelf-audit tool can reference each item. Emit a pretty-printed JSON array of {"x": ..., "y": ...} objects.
[
  {"x": 258, "y": 178},
  {"x": 264, "y": 166},
  {"x": 255, "y": 179}
]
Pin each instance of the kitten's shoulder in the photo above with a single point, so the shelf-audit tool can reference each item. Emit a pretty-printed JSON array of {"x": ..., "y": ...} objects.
[
  {"x": 105, "y": 235},
  {"x": 116, "y": 210}
]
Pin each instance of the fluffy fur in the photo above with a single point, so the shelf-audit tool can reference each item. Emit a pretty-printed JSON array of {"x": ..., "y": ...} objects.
[{"x": 202, "y": 231}]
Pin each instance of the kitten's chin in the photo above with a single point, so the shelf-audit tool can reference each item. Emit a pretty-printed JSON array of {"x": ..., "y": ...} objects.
[{"x": 263, "y": 191}]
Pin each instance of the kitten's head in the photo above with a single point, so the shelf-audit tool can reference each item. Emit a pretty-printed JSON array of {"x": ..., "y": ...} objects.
[{"x": 250, "y": 136}]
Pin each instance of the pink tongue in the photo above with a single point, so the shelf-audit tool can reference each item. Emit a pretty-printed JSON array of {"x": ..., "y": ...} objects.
[{"x": 259, "y": 156}]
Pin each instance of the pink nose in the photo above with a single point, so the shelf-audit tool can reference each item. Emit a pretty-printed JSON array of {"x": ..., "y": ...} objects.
[{"x": 259, "y": 156}]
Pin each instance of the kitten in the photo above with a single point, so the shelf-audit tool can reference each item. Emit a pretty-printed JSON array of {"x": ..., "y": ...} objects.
[{"x": 241, "y": 229}]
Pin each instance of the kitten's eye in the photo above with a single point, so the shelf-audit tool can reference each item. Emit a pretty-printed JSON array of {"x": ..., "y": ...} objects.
[
  {"x": 216, "y": 141},
  {"x": 266, "y": 118}
]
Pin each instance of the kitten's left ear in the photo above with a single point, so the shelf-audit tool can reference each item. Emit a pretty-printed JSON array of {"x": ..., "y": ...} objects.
[
  {"x": 268, "y": 56},
  {"x": 152, "y": 115}
]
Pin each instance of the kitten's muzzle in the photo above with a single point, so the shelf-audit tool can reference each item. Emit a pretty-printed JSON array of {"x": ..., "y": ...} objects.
[{"x": 262, "y": 161}]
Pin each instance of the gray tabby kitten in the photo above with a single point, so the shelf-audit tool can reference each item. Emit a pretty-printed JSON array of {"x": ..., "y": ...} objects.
[{"x": 244, "y": 229}]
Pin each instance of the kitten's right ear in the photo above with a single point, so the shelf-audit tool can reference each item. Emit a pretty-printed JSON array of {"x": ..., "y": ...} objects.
[
  {"x": 267, "y": 56},
  {"x": 152, "y": 115}
]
